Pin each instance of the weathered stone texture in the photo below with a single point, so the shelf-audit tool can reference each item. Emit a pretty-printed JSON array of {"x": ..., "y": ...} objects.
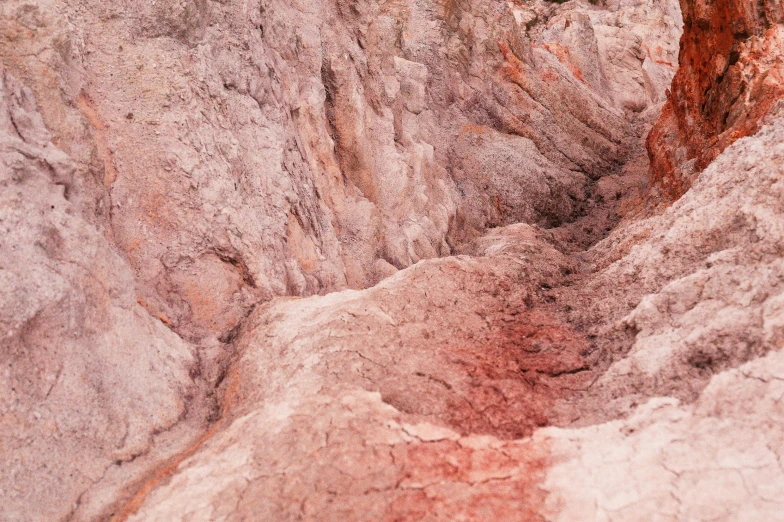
[
  {"x": 390, "y": 260},
  {"x": 728, "y": 86}
]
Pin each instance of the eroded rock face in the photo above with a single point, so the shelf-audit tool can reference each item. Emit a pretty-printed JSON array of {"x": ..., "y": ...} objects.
[
  {"x": 728, "y": 86},
  {"x": 88, "y": 377},
  {"x": 285, "y": 148},
  {"x": 373, "y": 405},
  {"x": 627, "y": 51},
  {"x": 708, "y": 330},
  {"x": 181, "y": 179}
]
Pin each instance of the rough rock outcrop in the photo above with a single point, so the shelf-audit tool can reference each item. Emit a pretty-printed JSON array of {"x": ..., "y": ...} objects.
[
  {"x": 385, "y": 404},
  {"x": 88, "y": 377},
  {"x": 238, "y": 151},
  {"x": 627, "y": 51},
  {"x": 192, "y": 160},
  {"x": 375, "y": 405},
  {"x": 708, "y": 330},
  {"x": 728, "y": 86},
  {"x": 180, "y": 180}
]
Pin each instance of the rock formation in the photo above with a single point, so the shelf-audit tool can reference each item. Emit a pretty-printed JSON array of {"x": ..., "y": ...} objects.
[
  {"x": 89, "y": 377},
  {"x": 728, "y": 86},
  {"x": 390, "y": 260}
]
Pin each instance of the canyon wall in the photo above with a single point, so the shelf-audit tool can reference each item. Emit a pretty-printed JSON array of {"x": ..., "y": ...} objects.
[
  {"x": 239, "y": 151},
  {"x": 728, "y": 86},
  {"x": 171, "y": 166}
]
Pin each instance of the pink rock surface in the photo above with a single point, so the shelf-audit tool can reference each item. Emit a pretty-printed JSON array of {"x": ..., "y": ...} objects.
[{"x": 398, "y": 260}]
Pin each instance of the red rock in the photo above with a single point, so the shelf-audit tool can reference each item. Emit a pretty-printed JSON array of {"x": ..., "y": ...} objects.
[{"x": 729, "y": 82}]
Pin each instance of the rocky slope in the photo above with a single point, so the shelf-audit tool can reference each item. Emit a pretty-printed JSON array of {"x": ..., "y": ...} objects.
[{"x": 362, "y": 260}]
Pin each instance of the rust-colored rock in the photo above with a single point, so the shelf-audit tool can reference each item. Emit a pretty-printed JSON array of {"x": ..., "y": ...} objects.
[{"x": 728, "y": 84}]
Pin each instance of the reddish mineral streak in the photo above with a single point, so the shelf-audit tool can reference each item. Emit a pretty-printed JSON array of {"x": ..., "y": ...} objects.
[
  {"x": 728, "y": 82},
  {"x": 168, "y": 468}
]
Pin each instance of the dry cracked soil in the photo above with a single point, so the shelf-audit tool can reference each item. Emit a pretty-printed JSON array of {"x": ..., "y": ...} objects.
[{"x": 391, "y": 260}]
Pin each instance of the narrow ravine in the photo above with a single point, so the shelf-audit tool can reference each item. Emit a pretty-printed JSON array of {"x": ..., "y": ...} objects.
[
  {"x": 391, "y": 261},
  {"x": 527, "y": 360}
]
